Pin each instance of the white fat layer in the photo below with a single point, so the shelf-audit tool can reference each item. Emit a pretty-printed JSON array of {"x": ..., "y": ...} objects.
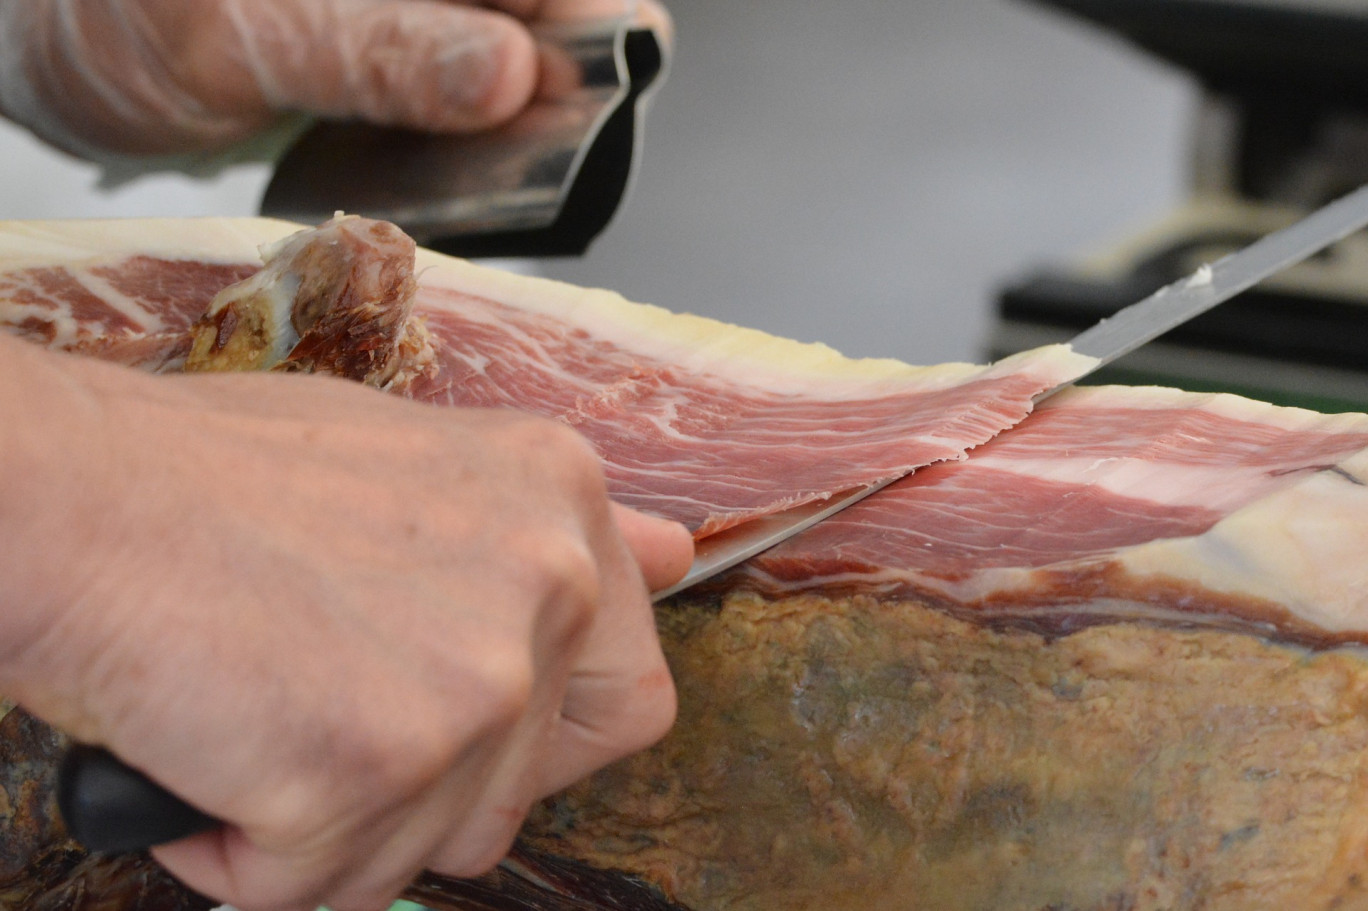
[
  {"x": 57, "y": 313},
  {"x": 1154, "y": 480},
  {"x": 1301, "y": 547},
  {"x": 148, "y": 319},
  {"x": 693, "y": 342},
  {"x": 1222, "y": 404}
]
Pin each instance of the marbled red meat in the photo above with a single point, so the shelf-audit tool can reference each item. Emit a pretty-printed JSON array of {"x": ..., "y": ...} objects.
[
  {"x": 136, "y": 311},
  {"x": 1105, "y": 502},
  {"x": 702, "y": 422},
  {"x": 707, "y": 448}
]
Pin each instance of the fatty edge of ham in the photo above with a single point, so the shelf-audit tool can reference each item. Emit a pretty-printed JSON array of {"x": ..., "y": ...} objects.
[
  {"x": 698, "y": 343},
  {"x": 1301, "y": 547}
]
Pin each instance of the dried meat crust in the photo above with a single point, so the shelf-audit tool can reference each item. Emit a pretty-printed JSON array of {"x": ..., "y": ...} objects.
[{"x": 844, "y": 754}]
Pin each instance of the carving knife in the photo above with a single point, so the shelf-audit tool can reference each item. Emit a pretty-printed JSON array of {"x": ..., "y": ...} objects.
[{"x": 109, "y": 807}]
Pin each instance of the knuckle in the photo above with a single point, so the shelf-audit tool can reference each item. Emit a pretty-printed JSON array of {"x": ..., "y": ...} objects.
[
  {"x": 573, "y": 574},
  {"x": 480, "y": 847},
  {"x": 561, "y": 463},
  {"x": 416, "y": 761},
  {"x": 564, "y": 448},
  {"x": 506, "y": 683},
  {"x": 560, "y": 574},
  {"x": 438, "y": 736}
]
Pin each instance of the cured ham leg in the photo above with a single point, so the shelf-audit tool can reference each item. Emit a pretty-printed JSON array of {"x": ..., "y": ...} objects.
[
  {"x": 841, "y": 754},
  {"x": 1105, "y": 656}
]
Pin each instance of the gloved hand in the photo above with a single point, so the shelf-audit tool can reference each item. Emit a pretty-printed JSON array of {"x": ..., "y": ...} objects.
[{"x": 176, "y": 77}]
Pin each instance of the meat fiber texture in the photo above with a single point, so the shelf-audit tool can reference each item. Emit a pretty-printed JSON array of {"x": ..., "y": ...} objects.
[
  {"x": 704, "y": 422},
  {"x": 1113, "y": 502},
  {"x": 1103, "y": 657}
]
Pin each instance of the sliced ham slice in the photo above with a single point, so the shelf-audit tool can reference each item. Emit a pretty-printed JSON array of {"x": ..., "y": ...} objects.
[
  {"x": 700, "y": 421},
  {"x": 1111, "y": 502}
]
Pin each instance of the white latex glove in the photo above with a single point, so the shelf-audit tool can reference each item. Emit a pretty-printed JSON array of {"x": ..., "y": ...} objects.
[{"x": 177, "y": 77}]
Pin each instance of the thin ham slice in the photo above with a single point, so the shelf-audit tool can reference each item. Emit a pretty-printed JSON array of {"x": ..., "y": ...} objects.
[
  {"x": 700, "y": 421},
  {"x": 1112, "y": 502}
]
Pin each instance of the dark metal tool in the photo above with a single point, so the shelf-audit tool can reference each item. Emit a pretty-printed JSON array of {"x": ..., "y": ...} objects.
[
  {"x": 136, "y": 812},
  {"x": 544, "y": 184}
]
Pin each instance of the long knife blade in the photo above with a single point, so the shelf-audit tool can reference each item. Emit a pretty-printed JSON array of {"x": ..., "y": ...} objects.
[{"x": 1113, "y": 337}]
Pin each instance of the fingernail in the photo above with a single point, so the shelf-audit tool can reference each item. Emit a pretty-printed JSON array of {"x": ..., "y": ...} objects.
[{"x": 488, "y": 75}]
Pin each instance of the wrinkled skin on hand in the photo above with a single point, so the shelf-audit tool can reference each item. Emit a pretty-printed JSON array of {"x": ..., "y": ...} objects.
[
  {"x": 151, "y": 77},
  {"x": 367, "y": 633}
]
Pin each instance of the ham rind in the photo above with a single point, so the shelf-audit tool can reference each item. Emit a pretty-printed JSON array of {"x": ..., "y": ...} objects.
[
  {"x": 703, "y": 422},
  {"x": 1111, "y": 502}
]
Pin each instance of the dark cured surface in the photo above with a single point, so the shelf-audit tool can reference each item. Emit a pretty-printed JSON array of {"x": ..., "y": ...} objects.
[
  {"x": 513, "y": 886},
  {"x": 41, "y": 868}
]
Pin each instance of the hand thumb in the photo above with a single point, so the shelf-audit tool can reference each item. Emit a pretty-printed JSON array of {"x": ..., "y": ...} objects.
[{"x": 663, "y": 549}]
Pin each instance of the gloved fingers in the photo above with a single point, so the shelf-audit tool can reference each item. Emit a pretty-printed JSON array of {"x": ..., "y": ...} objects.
[
  {"x": 424, "y": 64},
  {"x": 146, "y": 77}
]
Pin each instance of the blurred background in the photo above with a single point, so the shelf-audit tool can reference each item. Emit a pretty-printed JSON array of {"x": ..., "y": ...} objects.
[{"x": 861, "y": 173}]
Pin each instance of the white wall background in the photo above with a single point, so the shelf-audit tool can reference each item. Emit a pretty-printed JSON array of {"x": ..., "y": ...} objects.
[{"x": 858, "y": 172}]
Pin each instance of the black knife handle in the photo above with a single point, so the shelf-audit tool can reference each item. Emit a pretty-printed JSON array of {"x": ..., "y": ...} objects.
[{"x": 112, "y": 808}]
